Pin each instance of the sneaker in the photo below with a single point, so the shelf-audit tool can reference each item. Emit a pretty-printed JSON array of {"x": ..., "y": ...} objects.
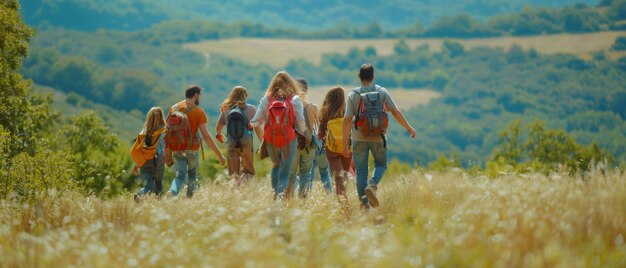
[
  {"x": 190, "y": 191},
  {"x": 370, "y": 192},
  {"x": 137, "y": 198},
  {"x": 170, "y": 194},
  {"x": 365, "y": 206}
]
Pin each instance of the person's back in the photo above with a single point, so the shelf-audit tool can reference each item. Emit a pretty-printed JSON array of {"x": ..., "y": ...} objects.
[
  {"x": 235, "y": 116},
  {"x": 365, "y": 140},
  {"x": 282, "y": 149},
  {"x": 151, "y": 162},
  {"x": 301, "y": 169},
  {"x": 185, "y": 158},
  {"x": 331, "y": 117}
]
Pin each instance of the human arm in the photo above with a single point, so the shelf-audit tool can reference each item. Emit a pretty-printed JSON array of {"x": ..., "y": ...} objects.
[
  {"x": 221, "y": 122},
  {"x": 206, "y": 136},
  {"x": 397, "y": 114},
  {"x": 347, "y": 127},
  {"x": 261, "y": 113},
  {"x": 298, "y": 107},
  {"x": 321, "y": 129}
]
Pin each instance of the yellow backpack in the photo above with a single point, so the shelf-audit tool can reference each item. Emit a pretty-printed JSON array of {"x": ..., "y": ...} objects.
[
  {"x": 142, "y": 152},
  {"x": 334, "y": 135}
]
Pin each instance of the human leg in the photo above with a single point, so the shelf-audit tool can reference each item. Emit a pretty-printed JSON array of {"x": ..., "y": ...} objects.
[
  {"x": 180, "y": 168},
  {"x": 360, "y": 152}
]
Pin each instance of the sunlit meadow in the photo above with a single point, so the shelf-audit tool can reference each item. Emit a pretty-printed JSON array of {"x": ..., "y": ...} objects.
[{"x": 425, "y": 220}]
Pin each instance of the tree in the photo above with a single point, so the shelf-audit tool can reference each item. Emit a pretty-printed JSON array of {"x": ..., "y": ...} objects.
[
  {"x": 452, "y": 49},
  {"x": 620, "y": 43},
  {"x": 22, "y": 114},
  {"x": 401, "y": 48},
  {"x": 510, "y": 149}
]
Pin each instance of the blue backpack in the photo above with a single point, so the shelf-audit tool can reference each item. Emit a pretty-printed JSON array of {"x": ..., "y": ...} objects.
[{"x": 371, "y": 114}]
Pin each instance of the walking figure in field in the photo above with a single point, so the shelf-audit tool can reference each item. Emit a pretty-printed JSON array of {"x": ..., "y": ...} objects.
[
  {"x": 148, "y": 153},
  {"x": 306, "y": 147},
  {"x": 366, "y": 119},
  {"x": 185, "y": 122},
  {"x": 281, "y": 113},
  {"x": 331, "y": 118},
  {"x": 235, "y": 115}
]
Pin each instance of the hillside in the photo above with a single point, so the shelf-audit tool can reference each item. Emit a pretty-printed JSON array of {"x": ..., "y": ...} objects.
[
  {"x": 278, "y": 52},
  {"x": 124, "y": 124},
  {"x": 137, "y": 14},
  {"x": 439, "y": 220}
]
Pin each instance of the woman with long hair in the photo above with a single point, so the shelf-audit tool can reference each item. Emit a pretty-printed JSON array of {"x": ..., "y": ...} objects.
[
  {"x": 330, "y": 131},
  {"x": 235, "y": 115},
  {"x": 281, "y": 113},
  {"x": 151, "y": 172}
]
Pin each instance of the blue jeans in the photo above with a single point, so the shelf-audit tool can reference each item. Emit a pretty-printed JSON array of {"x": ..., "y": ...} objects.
[
  {"x": 360, "y": 153},
  {"x": 184, "y": 172},
  {"x": 152, "y": 177},
  {"x": 321, "y": 162},
  {"x": 302, "y": 168},
  {"x": 282, "y": 159}
]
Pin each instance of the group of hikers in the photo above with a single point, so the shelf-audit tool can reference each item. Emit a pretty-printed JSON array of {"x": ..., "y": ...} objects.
[{"x": 293, "y": 132}]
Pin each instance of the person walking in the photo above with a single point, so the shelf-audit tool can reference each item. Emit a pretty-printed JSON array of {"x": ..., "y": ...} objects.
[
  {"x": 331, "y": 131},
  {"x": 235, "y": 115},
  {"x": 186, "y": 121},
  {"x": 282, "y": 115},
  {"x": 300, "y": 173},
  {"x": 148, "y": 153},
  {"x": 366, "y": 121}
]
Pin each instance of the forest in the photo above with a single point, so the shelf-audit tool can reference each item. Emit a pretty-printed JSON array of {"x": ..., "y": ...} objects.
[{"x": 89, "y": 15}]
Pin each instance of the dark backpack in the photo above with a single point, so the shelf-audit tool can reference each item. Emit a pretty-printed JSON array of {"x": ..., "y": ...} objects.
[
  {"x": 371, "y": 114},
  {"x": 237, "y": 126},
  {"x": 279, "y": 128}
]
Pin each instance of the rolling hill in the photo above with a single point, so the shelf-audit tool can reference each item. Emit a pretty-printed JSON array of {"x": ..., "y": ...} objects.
[{"x": 278, "y": 52}]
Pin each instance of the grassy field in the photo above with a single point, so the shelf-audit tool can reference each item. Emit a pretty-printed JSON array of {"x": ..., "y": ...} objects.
[
  {"x": 404, "y": 98},
  {"x": 425, "y": 220},
  {"x": 277, "y": 52}
]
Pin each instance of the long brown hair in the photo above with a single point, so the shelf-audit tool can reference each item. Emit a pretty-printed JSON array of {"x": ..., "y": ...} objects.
[
  {"x": 155, "y": 120},
  {"x": 334, "y": 105},
  {"x": 238, "y": 96},
  {"x": 283, "y": 85}
]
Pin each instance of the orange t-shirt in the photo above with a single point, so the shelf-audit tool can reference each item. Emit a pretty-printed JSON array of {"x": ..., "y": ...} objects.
[{"x": 196, "y": 118}]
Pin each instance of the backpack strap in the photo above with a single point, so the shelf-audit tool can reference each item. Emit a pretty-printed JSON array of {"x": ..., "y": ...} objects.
[{"x": 357, "y": 114}]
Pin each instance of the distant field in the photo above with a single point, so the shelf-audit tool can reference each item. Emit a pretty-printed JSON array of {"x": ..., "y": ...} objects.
[
  {"x": 277, "y": 52},
  {"x": 404, "y": 98}
]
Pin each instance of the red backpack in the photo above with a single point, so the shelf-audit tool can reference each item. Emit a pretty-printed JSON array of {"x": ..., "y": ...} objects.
[
  {"x": 279, "y": 128},
  {"x": 178, "y": 136}
]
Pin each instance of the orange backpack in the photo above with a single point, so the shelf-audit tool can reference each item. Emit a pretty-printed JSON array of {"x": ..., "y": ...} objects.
[{"x": 145, "y": 147}]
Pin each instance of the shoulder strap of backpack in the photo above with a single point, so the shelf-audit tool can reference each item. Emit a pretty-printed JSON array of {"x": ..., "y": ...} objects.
[{"x": 357, "y": 113}]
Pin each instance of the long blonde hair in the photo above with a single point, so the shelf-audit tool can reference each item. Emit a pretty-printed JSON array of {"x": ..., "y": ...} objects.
[
  {"x": 334, "y": 105},
  {"x": 238, "y": 96},
  {"x": 155, "y": 120},
  {"x": 282, "y": 85}
]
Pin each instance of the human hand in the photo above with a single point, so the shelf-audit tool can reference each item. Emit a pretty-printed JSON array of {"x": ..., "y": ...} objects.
[
  {"x": 346, "y": 152},
  {"x": 412, "y": 133},
  {"x": 222, "y": 160},
  {"x": 134, "y": 171},
  {"x": 219, "y": 137}
]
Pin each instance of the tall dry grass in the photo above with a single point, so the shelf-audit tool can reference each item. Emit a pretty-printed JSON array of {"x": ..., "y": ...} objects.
[{"x": 452, "y": 219}]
